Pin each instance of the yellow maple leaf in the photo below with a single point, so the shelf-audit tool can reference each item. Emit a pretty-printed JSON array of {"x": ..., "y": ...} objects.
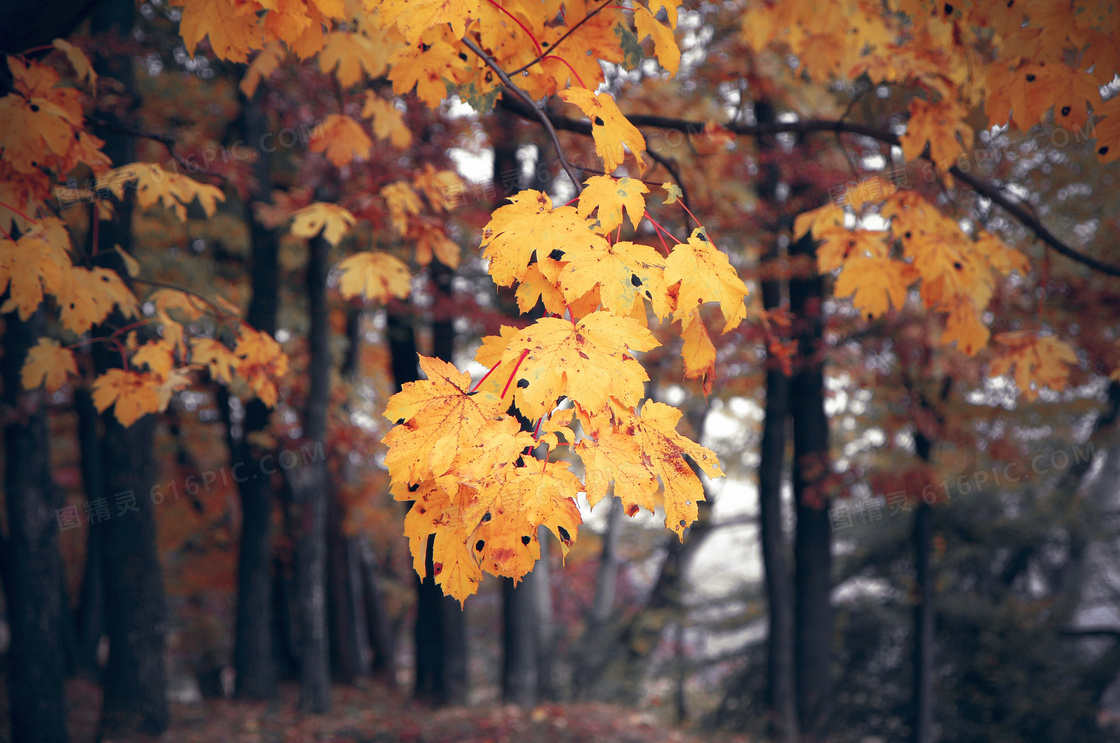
[
  {"x": 494, "y": 346},
  {"x": 49, "y": 364},
  {"x": 440, "y": 187},
  {"x": 427, "y": 70},
  {"x": 821, "y": 222},
  {"x": 374, "y": 275},
  {"x": 134, "y": 394},
  {"x": 166, "y": 300},
  {"x": 624, "y": 273},
  {"x": 83, "y": 69},
  {"x": 264, "y": 64},
  {"x": 1039, "y": 361},
  {"x": 92, "y": 296},
  {"x": 588, "y": 361},
  {"x": 157, "y": 355},
  {"x": 341, "y": 139},
  {"x": 435, "y": 518},
  {"x": 875, "y": 284},
  {"x": 154, "y": 185},
  {"x": 388, "y": 122},
  {"x": 535, "y": 287},
  {"x": 613, "y": 133},
  {"x": 233, "y": 29},
  {"x": 698, "y": 351},
  {"x": 837, "y": 246},
  {"x": 349, "y": 54},
  {"x": 529, "y": 226},
  {"x": 434, "y": 242},
  {"x": 940, "y": 124},
  {"x": 610, "y": 196},
  {"x": 705, "y": 275},
  {"x": 261, "y": 362},
  {"x": 29, "y": 268},
  {"x": 963, "y": 326},
  {"x": 402, "y": 202},
  {"x": 333, "y": 220},
  {"x": 435, "y": 418},
  {"x": 636, "y": 450},
  {"x": 33, "y": 128},
  {"x": 674, "y": 192},
  {"x": 664, "y": 45},
  {"x": 555, "y": 425},
  {"x": 414, "y": 17},
  {"x": 216, "y": 357}
]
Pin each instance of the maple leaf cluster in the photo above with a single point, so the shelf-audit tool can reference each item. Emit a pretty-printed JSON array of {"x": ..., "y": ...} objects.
[
  {"x": 460, "y": 454},
  {"x": 42, "y": 140}
]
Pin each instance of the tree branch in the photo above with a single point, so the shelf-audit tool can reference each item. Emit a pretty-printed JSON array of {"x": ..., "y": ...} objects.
[
  {"x": 166, "y": 140},
  {"x": 528, "y": 103},
  {"x": 1091, "y": 632},
  {"x": 560, "y": 41},
  {"x": 807, "y": 126}
]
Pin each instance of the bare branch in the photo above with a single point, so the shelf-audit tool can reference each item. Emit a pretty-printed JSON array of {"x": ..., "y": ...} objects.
[
  {"x": 527, "y": 101},
  {"x": 999, "y": 197}
]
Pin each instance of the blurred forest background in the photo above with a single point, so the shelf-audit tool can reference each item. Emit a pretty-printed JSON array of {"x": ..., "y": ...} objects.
[{"x": 853, "y": 610}]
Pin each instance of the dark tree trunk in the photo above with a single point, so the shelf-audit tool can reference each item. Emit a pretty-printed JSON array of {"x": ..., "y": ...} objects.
[
  {"x": 347, "y": 611},
  {"x": 381, "y": 641},
  {"x": 253, "y": 656},
  {"x": 813, "y": 541},
  {"x": 520, "y": 670},
  {"x": 135, "y": 683},
  {"x": 922, "y": 692},
  {"x": 309, "y": 485},
  {"x": 349, "y": 638},
  {"x": 593, "y": 644},
  {"x": 546, "y": 628},
  {"x": 90, "y": 620},
  {"x": 921, "y": 705},
  {"x": 30, "y": 562},
  {"x": 781, "y": 689},
  {"x": 134, "y": 701}
]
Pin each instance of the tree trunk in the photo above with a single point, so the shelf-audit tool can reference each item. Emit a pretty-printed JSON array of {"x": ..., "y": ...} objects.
[
  {"x": 134, "y": 701},
  {"x": 921, "y": 722},
  {"x": 253, "y": 656},
  {"x": 380, "y": 630},
  {"x": 90, "y": 618},
  {"x": 520, "y": 670},
  {"x": 350, "y": 650},
  {"x": 813, "y": 541},
  {"x": 593, "y": 644},
  {"x": 30, "y": 561},
  {"x": 781, "y": 689},
  {"x": 309, "y": 485},
  {"x": 546, "y": 627},
  {"x": 348, "y": 646},
  {"x": 922, "y": 692}
]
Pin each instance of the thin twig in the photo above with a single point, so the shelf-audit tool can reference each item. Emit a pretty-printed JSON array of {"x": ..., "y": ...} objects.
[
  {"x": 806, "y": 126},
  {"x": 560, "y": 41},
  {"x": 671, "y": 165},
  {"x": 526, "y": 100},
  {"x": 217, "y": 310},
  {"x": 166, "y": 140}
]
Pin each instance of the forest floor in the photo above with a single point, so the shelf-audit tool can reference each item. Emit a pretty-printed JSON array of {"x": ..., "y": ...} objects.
[{"x": 377, "y": 713}]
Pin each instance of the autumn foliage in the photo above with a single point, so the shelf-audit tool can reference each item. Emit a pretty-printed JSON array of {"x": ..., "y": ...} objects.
[{"x": 572, "y": 380}]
